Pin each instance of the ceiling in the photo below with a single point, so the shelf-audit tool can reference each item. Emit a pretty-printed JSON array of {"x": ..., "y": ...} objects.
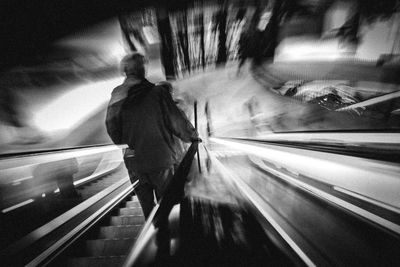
[{"x": 30, "y": 28}]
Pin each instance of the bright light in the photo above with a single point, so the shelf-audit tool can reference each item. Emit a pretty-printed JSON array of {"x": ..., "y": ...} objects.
[
  {"x": 118, "y": 52},
  {"x": 300, "y": 50},
  {"x": 75, "y": 106},
  {"x": 151, "y": 35}
]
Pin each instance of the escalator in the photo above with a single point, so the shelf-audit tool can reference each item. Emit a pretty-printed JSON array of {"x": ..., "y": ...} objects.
[
  {"x": 108, "y": 243},
  {"x": 332, "y": 209},
  {"x": 237, "y": 209},
  {"x": 204, "y": 221},
  {"x": 17, "y": 223},
  {"x": 190, "y": 226},
  {"x": 107, "y": 239},
  {"x": 55, "y": 199}
]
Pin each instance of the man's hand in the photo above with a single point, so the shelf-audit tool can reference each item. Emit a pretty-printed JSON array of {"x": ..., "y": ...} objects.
[{"x": 196, "y": 139}]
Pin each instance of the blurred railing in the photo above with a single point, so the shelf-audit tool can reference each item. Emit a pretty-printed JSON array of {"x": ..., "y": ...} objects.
[
  {"x": 366, "y": 144},
  {"x": 47, "y": 151},
  {"x": 366, "y": 187},
  {"x": 25, "y": 177},
  {"x": 50, "y": 179}
]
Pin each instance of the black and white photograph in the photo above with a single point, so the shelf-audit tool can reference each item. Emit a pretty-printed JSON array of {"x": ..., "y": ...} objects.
[{"x": 199, "y": 133}]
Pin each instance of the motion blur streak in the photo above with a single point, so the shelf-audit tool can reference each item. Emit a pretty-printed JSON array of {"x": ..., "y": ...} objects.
[
  {"x": 18, "y": 205},
  {"x": 75, "y": 106},
  {"x": 376, "y": 180},
  {"x": 354, "y": 138},
  {"x": 256, "y": 199}
]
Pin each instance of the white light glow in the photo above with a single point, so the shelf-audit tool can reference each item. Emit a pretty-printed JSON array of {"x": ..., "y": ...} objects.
[
  {"x": 75, "y": 106},
  {"x": 151, "y": 35},
  {"x": 297, "y": 50},
  {"x": 118, "y": 52}
]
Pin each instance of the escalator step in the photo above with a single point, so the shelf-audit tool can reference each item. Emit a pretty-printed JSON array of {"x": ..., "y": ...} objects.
[
  {"x": 133, "y": 204},
  {"x": 134, "y": 198},
  {"x": 130, "y": 211},
  {"x": 96, "y": 261},
  {"x": 109, "y": 247},
  {"x": 109, "y": 232},
  {"x": 127, "y": 220}
]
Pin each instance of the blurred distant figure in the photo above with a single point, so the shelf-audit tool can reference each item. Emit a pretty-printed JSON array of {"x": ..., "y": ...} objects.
[
  {"x": 243, "y": 49},
  {"x": 60, "y": 173},
  {"x": 10, "y": 119},
  {"x": 247, "y": 44},
  {"x": 9, "y": 114},
  {"x": 208, "y": 118},
  {"x": 144, "y": 116},
  {"x": 14, "y": 126}
]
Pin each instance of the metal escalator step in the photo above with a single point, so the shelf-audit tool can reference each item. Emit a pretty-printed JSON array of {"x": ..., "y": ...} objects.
[
  {"x": 123, "y": 231},
  {"x": 96, "y": 261},
  {"x": 109, "y": 247},
  {"x": 133, "y": 204},
  {"x": 130, "y": 211},
  {"x": 127, "y": 220},
  {"x": 134, "y": 198}
]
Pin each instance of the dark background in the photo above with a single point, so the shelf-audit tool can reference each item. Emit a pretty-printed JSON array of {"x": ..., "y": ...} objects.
[{"x": 28, "y": 27}]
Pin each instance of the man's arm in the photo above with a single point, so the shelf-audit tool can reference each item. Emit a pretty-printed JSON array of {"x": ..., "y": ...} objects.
[{"x": 176, "y": 120}]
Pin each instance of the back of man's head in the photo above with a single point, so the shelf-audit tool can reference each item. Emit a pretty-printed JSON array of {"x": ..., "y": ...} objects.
[{"x": 134, "y": 65}]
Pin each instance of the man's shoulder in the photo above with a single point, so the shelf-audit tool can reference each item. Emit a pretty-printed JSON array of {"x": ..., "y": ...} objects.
[
  {"x": 163, "y": 87},
  {"x": 118, "y": 93},
  {"x": 120, "y": 89},
  {"x": 116, "y": 89},
  {"x": 164, "y": 84}
]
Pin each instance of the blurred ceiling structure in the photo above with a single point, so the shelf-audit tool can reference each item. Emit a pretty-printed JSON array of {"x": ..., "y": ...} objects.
[{"x": 29, "y": 28}]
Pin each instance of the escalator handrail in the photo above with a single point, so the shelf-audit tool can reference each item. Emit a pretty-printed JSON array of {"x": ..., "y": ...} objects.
[
  {"x": 47, "y": 157},
  {"x": 47, "y": 228},
  {"x": 38, "y": 152},
  {"x": 389, "y": 151},
  {"x": 333, "y": 177},
  {"x": 159, "y": 215}
]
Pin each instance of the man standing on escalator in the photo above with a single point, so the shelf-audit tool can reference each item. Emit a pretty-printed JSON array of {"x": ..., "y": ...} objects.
[{"x": 144, "y": 116}]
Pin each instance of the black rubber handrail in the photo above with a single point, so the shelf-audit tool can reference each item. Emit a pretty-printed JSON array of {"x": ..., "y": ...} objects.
[
  {"x": 388, "y": 153},
  {"x": 51, "y": 151},
  {"x": 378, "y": 130}
]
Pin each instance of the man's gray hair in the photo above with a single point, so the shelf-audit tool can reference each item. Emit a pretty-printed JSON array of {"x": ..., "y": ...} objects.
[{"x": 134, "y": 65}]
